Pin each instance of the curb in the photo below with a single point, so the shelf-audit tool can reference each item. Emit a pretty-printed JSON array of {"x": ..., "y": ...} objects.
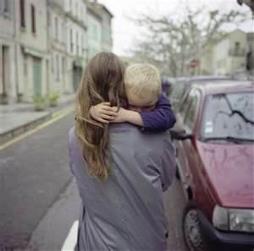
[{"x": 13, "y": 133}]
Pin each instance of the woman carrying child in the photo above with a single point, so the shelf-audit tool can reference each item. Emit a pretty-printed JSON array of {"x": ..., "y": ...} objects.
[{"x": 121, "y": 172}]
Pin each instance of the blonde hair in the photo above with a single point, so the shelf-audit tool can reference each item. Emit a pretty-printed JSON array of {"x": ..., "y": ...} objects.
[{"x": 142, "y": 81}]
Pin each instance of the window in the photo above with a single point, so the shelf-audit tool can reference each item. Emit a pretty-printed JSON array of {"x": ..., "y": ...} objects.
[
  {"x": 52, "y": 64},
  {"x": 63, "y": 65},
  {"x": 237, "y": 46},
  {"x": 6, "y": 7},
  {"x": 94, "y": 31},
  {"x": 33, "y": 18},
  {"x": 62, "y": 32},
  {"x": 183, "y": 97},
  {"x": 71, "y": 41},
  {"x": 60, "y": 66},
  {"x": 77, "y": 43},
  {"x": 73, "y": 8},
  {"x": 76, "y": 13},
  {"x": 80, "y": 13},
  {"x": 25, "y": 65},
  {"x": 185, "y": 105},
  {"x": 56, "y": 28},
  {"x": 57, "y": 67},
  {"x": 4, "y": 67},
  {"x": 68, "y": 5},
  {"x": 82, "y": 45},
  {"x": 192, "y": 108},
  {"x": 237, "y": 51},
  {"x": 229, "y": 115}
]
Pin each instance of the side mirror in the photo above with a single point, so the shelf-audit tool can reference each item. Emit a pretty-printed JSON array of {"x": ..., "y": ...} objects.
[{"x": 180, "y": 135}]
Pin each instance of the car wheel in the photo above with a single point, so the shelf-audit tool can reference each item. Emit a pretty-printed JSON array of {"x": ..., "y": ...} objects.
[{"x": 191, "y": 229}]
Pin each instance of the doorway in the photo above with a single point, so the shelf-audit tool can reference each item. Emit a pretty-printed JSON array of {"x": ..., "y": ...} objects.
[{"x": 37, "y": 70}]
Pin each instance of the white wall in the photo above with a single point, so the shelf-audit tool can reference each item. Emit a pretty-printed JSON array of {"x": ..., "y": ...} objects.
[
  {"x": 7, "y": 32},
  {"x": 94, "y": 35},
  {"x": 225, "y": 61},
  {"x": 29, "y": 45},
  {"x": 24, "y": 35}
]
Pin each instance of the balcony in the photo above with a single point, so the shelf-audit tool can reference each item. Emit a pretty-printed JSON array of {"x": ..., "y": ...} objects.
[{"x": 237, "y": 52}]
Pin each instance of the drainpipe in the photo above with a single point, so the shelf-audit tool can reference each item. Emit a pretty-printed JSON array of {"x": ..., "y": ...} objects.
[{"x": 15, "y": 49}]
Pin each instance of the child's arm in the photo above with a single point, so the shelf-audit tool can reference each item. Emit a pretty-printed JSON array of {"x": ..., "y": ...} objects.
[
  {"x": 129, "y": 116},
  {"x": 161, "y": 118},
  {"x": 104, "y": 113}
]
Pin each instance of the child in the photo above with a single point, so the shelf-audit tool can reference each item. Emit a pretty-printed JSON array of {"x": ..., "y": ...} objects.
[{"x": 152, "y": 114}]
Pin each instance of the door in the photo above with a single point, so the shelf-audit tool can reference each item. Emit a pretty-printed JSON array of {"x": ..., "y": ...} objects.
[
  {"x": 77, "y": 73},
  {"x": 186, "y": 153},
  {"x": 37, "y": 76},
  {"x": 5, "y": 70}
]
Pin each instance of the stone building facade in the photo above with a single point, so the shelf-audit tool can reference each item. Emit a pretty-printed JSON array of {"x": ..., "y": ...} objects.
[
  {"x": 8, "y": 81},
  {"x": 46, "y": 44}
]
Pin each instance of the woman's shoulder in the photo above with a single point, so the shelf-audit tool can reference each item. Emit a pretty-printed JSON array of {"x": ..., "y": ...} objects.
[
  {"x": 72, "y": 138},
  {"x": 73, "y": 144},
  {"x": 71, "y": 134}
]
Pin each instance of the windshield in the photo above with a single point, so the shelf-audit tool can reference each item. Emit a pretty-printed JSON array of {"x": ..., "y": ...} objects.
[{"x": 229, "y": 116}]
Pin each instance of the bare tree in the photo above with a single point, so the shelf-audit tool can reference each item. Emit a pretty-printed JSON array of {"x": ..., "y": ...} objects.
[
  {"x": 249, "y": 3},
  {"x": 172, "y": 41}
]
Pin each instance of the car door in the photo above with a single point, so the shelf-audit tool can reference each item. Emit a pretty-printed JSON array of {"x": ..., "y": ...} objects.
[{"x": 186, "y": 151}]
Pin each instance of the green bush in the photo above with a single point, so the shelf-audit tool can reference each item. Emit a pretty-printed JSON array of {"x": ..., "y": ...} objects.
[
  {"x": 40, "y": 103},
  {"x": 19, "y": 97},
  {"x": 3, "y": 98},
  {"x": 53, "y": 98}
]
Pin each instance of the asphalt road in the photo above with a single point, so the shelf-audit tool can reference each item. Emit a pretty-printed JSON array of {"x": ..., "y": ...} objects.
[
  {"x": 39, "y": 201},
  {"x": 33, "y": 172}
]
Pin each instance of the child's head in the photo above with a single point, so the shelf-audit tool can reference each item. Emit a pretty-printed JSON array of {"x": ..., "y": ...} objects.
[{"x": 142, "y": 84}]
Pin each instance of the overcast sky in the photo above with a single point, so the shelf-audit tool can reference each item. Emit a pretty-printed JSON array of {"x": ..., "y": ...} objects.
[{"x": 125, "y": 31}]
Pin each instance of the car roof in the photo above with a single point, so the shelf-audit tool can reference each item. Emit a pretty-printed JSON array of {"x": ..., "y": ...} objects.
[
  {"x": 209, "y": 77},
  {"x": 209, "y": 87},
  {"x": 191, "y": 79}
]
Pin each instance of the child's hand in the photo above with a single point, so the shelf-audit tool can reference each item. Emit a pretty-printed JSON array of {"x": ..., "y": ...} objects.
[
  {"x": 129, "y": 116},
  {"x": 122, "y": 116},
  {"x": 103, "y": 112}
]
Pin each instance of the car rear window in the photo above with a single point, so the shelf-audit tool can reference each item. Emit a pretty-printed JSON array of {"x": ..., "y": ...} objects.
[{"x": 229, "y": 115}]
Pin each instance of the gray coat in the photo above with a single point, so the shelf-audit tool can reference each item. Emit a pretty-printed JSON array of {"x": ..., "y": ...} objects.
[{"x": 126, "y": 212}]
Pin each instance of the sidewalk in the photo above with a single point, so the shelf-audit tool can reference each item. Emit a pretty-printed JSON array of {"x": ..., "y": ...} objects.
[{"x": 18, "y": 118}]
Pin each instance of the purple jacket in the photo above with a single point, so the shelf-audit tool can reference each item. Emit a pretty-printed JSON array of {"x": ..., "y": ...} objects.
[{"x": 161, "y": 118}]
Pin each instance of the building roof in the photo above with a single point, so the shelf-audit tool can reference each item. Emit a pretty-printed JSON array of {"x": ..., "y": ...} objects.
[
  {"x": 99, "y": 8},
  {"x": 104, "y": 8},
  {"x": 91, "y": 8}
]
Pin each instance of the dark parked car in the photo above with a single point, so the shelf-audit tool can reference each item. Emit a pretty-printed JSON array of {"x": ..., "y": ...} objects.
[
  {"x": 182, "y": 85},
  {"x": 214, "y": 137}
]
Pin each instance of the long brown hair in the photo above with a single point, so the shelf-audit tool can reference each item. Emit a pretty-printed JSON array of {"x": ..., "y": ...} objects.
[{"x": 102, "y": 81}]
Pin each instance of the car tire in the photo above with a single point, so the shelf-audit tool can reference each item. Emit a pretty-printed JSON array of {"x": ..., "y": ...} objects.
[{"x": 191, "y": 229}]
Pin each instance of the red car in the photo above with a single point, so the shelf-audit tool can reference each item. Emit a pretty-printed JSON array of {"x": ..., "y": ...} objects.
[{"x": 214, "y": 138}]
